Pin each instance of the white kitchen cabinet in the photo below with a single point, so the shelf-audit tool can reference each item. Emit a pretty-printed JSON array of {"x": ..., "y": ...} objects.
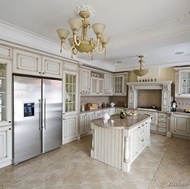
[
  {"x": 97, "y": 83},
  {"x": 85, "y": 119},
  {"x": 70, "y": 92},
  {"x": 119, "y": 82},
  {"x": 166, "y": 98},
  {"x": 5, "y": 145},
  {"x": 180, "y": 125},
  {"x": 69, "y": 128},
  {"x": 70, "y": 106},
  {"x": 132, "y": 97},
  {"x": 154, "y": 119},
  {"x": 182, "y": 82},
  {"x": 108, "y": 82},
  {"x": 34, "y": 64},
  {"x": 5, "y": 92},
  {"x": 139, "y": 139},
  {"x": 5, "y": 113},
  {"x": 5, "y": 52},
  {"x": 85, "y": 82},
  {"x": 162, "y": 122}
]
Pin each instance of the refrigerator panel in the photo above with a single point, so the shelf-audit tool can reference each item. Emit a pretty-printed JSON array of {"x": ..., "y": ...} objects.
[
  {"x": 52, "y": 117},
  {"x": 27, "y": 132}
]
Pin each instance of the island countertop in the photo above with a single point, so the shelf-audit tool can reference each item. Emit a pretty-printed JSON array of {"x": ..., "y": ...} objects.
[{"x": 127, "y": 123}]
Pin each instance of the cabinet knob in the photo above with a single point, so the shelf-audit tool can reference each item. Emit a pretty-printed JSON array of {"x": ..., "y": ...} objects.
[
  {"x": 9, "y": 121},
  {"x": 9, "y": 128}
]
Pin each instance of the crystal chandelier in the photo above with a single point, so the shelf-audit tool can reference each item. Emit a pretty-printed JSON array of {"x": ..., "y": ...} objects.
[
  {"x": 142, "y": 71},
  {"x": 81, "y": 43}
]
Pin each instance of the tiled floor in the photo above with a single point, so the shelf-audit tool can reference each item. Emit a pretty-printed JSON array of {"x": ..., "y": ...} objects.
[{"x": 166, "y": 164}]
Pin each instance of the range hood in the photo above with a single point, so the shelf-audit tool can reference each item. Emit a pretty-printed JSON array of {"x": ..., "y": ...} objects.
[{"x": 163, "y": 87}]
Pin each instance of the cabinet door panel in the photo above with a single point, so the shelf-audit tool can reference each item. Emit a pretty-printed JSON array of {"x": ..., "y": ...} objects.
[
  {"x": 85, "y": 82},
  {"x": 70, "y": 128},
  {"x": 26, "y": 63},
  {"x": 5, "y": 146},
  {"x": 5, "y": 52},
  {"x": 52, "y": 67},
  {"x": 181, "y": 125}
]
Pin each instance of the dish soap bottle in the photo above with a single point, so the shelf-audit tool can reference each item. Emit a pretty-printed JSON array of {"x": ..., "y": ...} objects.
[{"x": 173, "y": 105}]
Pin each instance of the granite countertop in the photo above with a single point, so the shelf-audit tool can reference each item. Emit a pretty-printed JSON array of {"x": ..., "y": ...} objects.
[
  {"x": 99, "y": 109},
  {"x": 127, "y": 123}
]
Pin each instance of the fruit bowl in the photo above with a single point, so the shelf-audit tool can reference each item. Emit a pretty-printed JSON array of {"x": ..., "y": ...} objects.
[
  {"x": 187, "y": 110},
  {"x": 132, "y": 113}
]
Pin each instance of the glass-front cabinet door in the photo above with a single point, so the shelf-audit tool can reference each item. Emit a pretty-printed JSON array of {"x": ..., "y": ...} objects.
[
  {"x": 182, "y": 82},
  {"x": 5, "y": 92},
  {"x": 185, "y": 82},
  {"x": 70, "y": 92}
]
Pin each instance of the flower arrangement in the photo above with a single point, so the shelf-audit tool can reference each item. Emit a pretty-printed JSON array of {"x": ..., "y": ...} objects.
[{"x": 122, "y": 114}]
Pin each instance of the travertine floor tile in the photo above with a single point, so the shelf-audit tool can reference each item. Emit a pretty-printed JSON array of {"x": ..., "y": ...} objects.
[{"x": 165, "y": 164}]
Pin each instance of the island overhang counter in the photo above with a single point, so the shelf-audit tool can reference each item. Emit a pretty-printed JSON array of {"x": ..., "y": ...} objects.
[{"x": 119, "y": 143}]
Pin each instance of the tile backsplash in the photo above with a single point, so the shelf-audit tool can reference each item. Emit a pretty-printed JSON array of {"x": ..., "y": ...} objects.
[
  {"x": 148, "y": 98},
  {"x": 183, "y": 103},
  {"x": 120, "y": 101}
]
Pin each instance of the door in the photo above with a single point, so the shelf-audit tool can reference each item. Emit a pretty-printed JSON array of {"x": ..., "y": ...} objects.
[
  {"x": 27, "y": 129},
  {"x": 52, "y": 116}
]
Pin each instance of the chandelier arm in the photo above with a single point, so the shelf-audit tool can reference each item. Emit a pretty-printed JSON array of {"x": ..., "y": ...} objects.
[
  {"x": 66, "y": 48},
  {"x": 77, "y": 40},
  {"x": 105, "y": 53},
  {"x": 74, "y": 52},
  {"x": 100, "y": 51}
]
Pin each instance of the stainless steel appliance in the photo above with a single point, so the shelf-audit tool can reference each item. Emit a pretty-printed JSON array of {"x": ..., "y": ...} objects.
[{"x": 37, "y": 116}]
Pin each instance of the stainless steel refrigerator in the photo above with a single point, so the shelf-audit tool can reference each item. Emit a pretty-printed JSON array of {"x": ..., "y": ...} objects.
[{"x": 37, "y": 116}]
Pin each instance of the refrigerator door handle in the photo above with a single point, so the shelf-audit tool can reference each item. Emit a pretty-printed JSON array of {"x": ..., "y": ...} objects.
[
  {"x": 45, "y": 114},
  {"x": 40, "y": 113}
]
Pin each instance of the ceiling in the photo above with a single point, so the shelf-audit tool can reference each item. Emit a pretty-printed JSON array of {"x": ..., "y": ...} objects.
[{"x": 156, "y": 29}]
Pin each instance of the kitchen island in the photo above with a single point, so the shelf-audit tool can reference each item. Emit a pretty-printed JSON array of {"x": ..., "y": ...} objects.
[{"x": 118, "y": 144}]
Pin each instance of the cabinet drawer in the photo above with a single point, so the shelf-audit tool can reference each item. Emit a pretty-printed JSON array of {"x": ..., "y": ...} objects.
[
  {"x": 161, "y": 124},
  {"x": 161, "y": 115},
  {"x": 163, "y": 120},
  {"x": 161, "y": 129}
]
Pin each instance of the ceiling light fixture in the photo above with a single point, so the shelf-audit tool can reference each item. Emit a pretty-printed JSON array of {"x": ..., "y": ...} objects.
[
  {"x": 81, "y": 43},
  {"x": 142, "y": 71}
]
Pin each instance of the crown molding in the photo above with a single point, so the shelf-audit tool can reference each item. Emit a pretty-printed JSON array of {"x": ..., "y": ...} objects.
[{"x": 169, "y": 29}]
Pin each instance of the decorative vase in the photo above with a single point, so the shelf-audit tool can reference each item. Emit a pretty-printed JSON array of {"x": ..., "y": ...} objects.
[{"x": 122, "y": 116}]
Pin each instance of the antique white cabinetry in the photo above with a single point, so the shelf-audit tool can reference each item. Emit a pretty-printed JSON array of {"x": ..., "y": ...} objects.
[
  {"x": 70, "y": 106},
  {"x": 85, "y": 82},
  {"x": 5, "y": 52},
  {"x": 108, "y": 81},
  {"x": 154, "y": 119},
  {"x": 5, "y": 145},
  {"x": 70, "y": 128},
  {"x": 97, "y": 83},
  {"x": 5, "y": 112},
  {"x": 162, "y": 122},
  {"x": 132, "y": 97},
  {"x": 180, "y": 125},
  {"x": 119, "y": 81},
  {"x": 85, "y": 119},
  {"x": 182, "y": 82},
  {"x": 139, "y": 139},
  {"x": 100, "y": 113},
  {"x": 34, "y": 64}
]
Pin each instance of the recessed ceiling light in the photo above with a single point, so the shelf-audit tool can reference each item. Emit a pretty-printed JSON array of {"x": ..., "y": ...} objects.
[
  {"x": 180, "y": 52},
  {"x": 119, "y": 62}
]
